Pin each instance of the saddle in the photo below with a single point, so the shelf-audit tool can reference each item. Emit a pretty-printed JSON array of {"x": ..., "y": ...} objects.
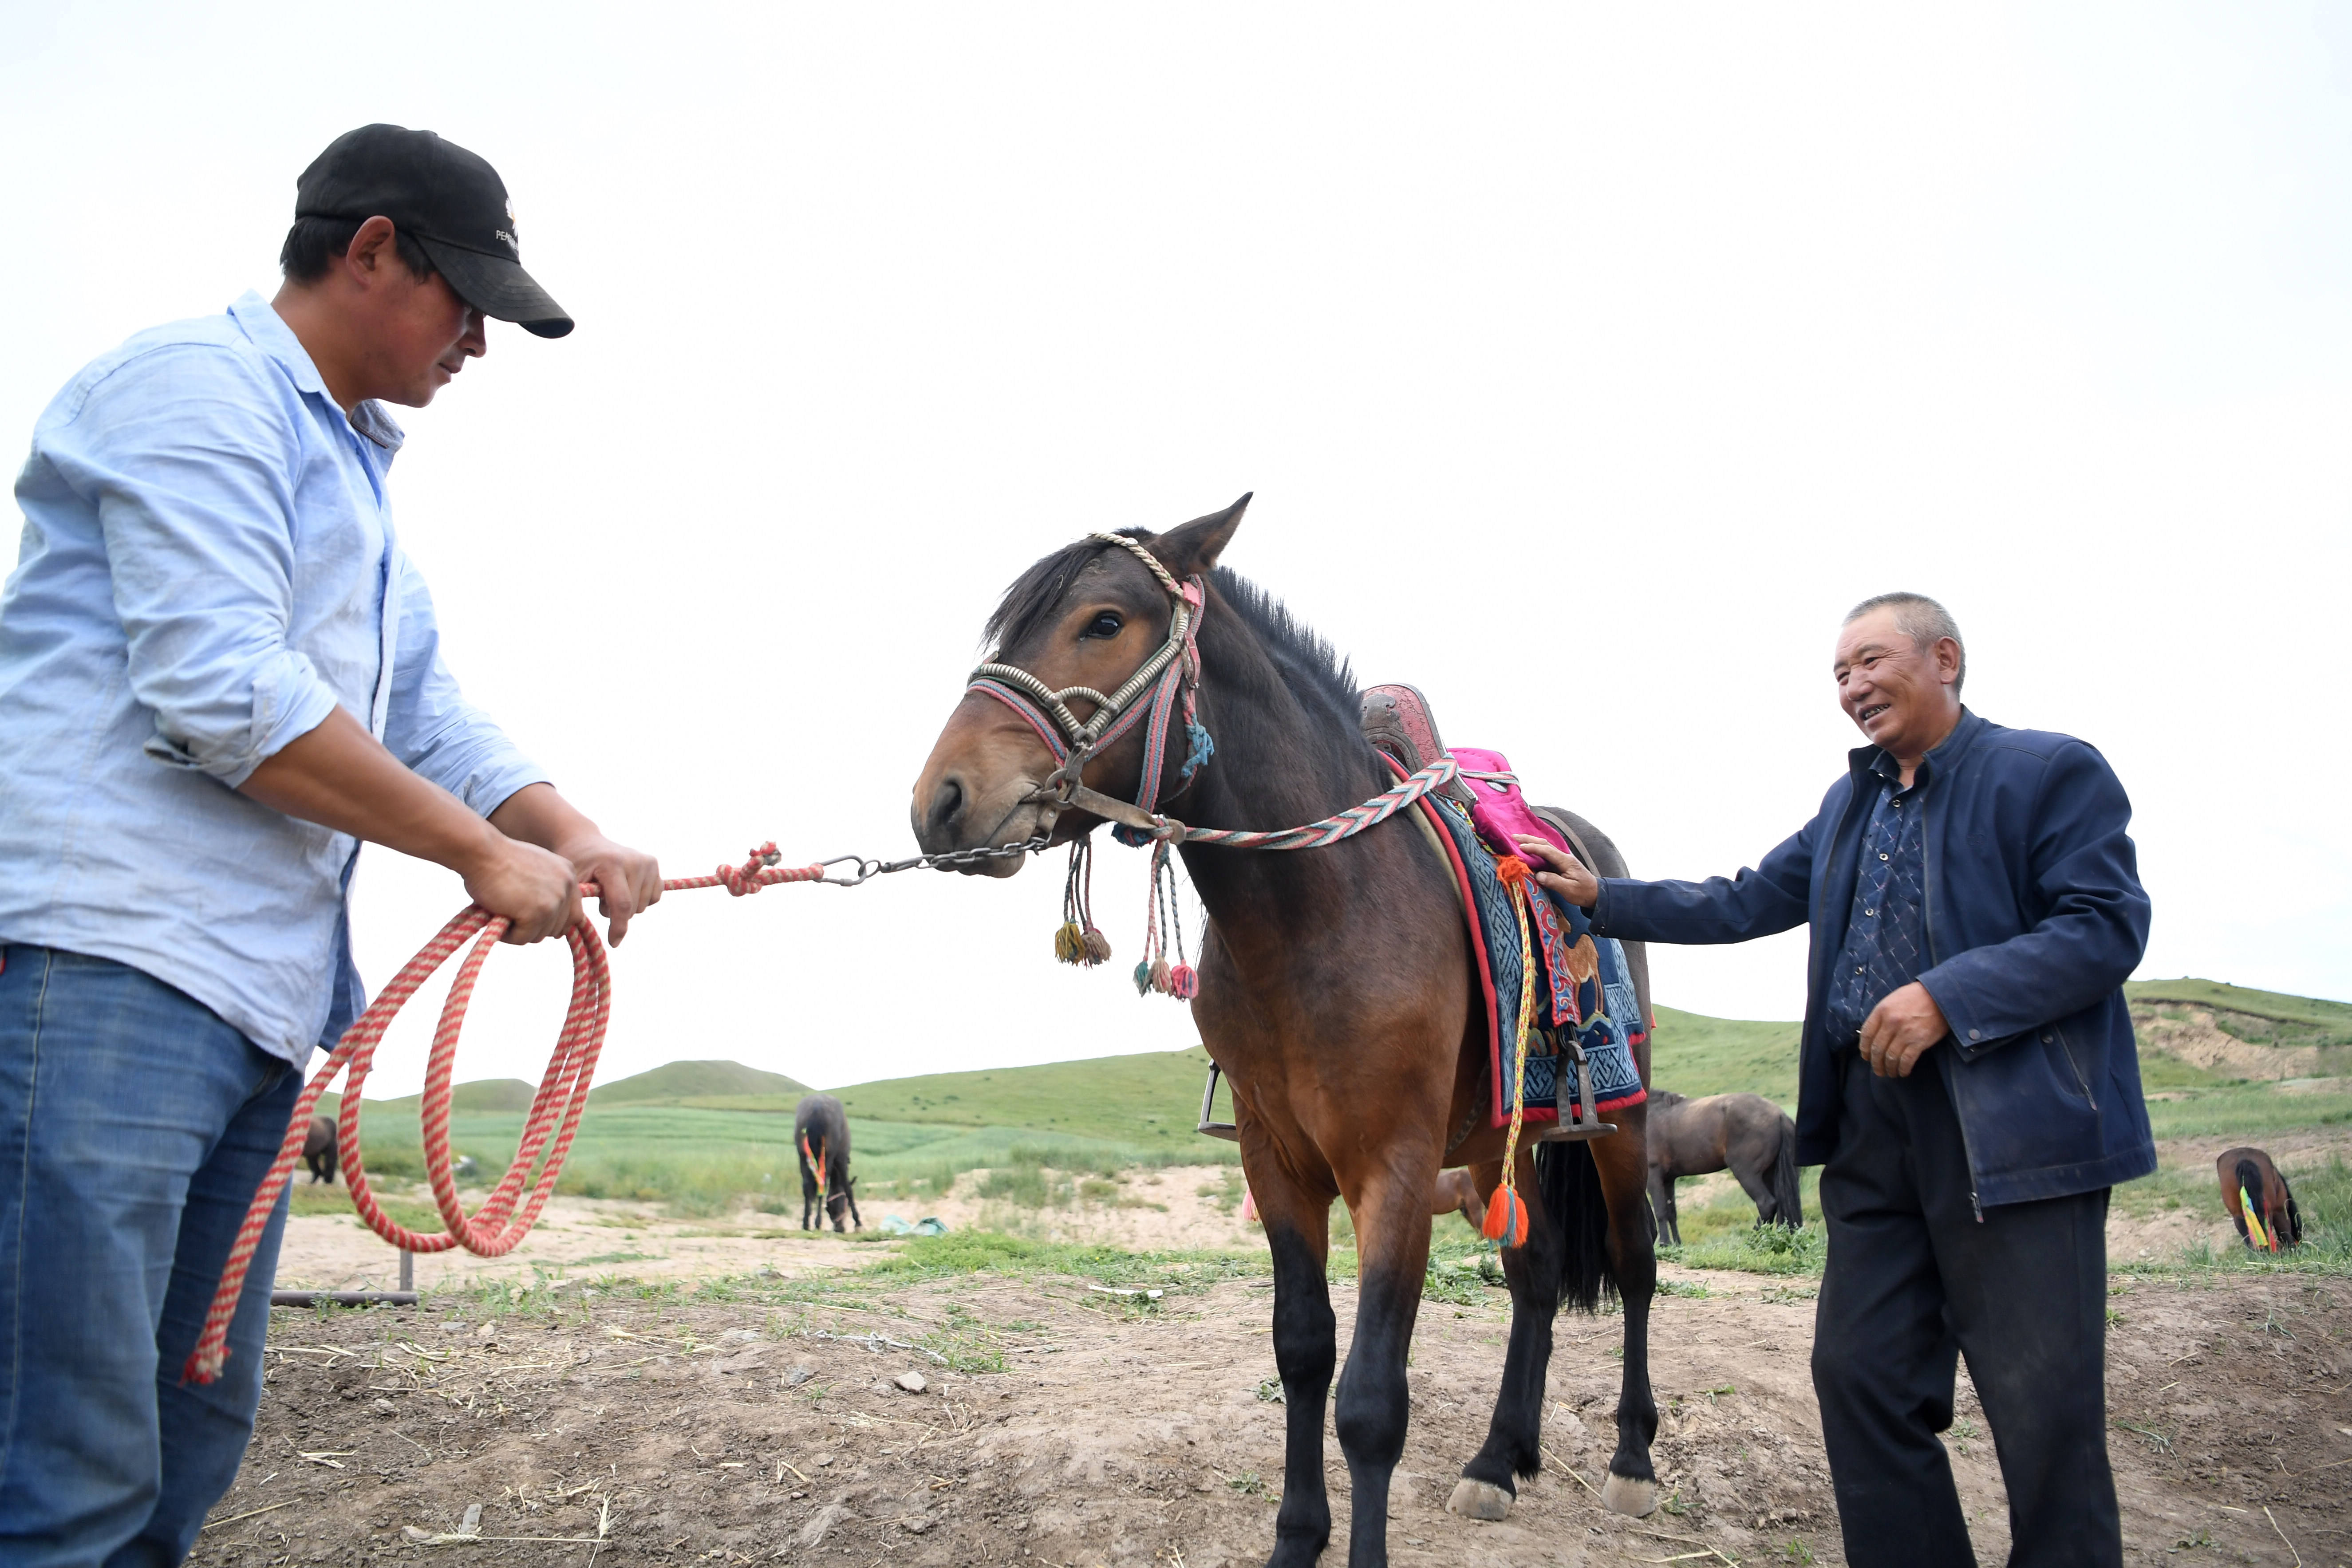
[
  {"x": 1562, "y": 1100},
  {"x": 1396, "y": 719}
]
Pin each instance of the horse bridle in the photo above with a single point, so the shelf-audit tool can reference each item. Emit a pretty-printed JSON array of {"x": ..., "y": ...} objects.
[{"x": 1172, "y": 675}]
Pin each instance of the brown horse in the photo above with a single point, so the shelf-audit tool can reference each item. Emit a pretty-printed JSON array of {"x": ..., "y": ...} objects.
[
  {"x": 820, "y": 1139},
  {"x": 1457, "y": 1192},
  {"x": 1336, "y": 992},
  {"x": 319, "y": 1149},
  {"x": 2248, "y": 1174},
  {"x": 1745, "y": 1133}
]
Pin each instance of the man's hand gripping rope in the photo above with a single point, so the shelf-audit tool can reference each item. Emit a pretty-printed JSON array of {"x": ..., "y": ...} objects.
[{"x": 496, "y": 1227}]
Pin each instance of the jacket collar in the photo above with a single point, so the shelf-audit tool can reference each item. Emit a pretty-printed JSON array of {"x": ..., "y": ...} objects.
[
  {"x": 271, "y": 334},
  {"x": 1947, "y": 756}
]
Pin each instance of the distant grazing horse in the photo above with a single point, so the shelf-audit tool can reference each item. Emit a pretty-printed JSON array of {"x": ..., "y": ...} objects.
[
  {"x": 319, "y": 1149},
  {"x": 1458, "y": 1194},
  {"x": 2248, "y": 1174},
  {"x": 821, "y": 1137},
  {"x": 1336, "y": 992},
  {"x": 1745, "y": 1134}
]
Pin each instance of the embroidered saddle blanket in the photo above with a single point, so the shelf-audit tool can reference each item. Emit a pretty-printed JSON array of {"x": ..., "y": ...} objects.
[{"x": 1583, "y": 989}]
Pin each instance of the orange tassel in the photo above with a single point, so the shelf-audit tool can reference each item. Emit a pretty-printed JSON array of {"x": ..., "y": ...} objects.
[
  {"x": 1511, "y": 871},
  {"x": 1506, "y": 1218}
]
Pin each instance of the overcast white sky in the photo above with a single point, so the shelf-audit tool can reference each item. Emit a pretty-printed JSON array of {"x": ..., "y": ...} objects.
[{"x": 1680, "y": 329}]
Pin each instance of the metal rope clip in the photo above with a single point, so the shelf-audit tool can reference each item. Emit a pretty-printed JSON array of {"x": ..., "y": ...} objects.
[{"x": 863, "y": 870}]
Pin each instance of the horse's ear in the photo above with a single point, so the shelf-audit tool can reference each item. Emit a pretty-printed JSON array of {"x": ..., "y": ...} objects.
[{"x": 1192, "y": 549}]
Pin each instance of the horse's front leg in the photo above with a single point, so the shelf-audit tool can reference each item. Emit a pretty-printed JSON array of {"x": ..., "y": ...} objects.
[
  {"x": 1298, "y": 1231},
  {"x": 1514, "y": 1435},
  {"x": 1389, "y": 1205},
  {"x": 1622, "y": 1161}
]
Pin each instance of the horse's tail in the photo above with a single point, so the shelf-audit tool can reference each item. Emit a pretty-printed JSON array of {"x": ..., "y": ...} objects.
[
  {"x": 1788, "y": 1200},
  {"x": 1570, "y": 1185},
  {"x": 2250, "y": 1199},
  {"x": 813, "y": 1162}
]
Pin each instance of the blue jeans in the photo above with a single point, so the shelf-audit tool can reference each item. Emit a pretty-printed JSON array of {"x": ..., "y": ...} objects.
[{"x": 135, "y": 1127}]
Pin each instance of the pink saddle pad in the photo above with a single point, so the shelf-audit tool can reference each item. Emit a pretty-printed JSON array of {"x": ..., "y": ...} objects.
[{"x": 1501, "y": 812}]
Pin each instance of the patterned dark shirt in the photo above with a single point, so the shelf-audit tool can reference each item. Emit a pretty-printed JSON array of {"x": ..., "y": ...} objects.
[{"x": 1886, "y": 939}]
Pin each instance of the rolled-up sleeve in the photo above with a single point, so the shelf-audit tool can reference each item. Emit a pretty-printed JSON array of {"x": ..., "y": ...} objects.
[
  {"x": 431, "y": 726},
  {"x": 187, "y": 460}
]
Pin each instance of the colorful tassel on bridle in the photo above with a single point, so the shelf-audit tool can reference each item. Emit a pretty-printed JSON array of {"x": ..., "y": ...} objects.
[
  {"x": 1506, "y": 1211},
  {"x": 1164, "y": 936},
  {"x": 1079, "y": 941},
  {"x": 816, "y": 1164}
]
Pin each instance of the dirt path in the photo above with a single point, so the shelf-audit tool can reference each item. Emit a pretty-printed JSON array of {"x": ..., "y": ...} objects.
[
  {"x": 1179, "y": 1206},
  {"x": 1120, "y": 1433}
]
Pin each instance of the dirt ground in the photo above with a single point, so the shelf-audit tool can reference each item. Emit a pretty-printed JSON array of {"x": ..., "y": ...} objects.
[
  {"x": 1177, "y": 1207},
  {"x": 1125, "y": 1431},
  {"x": 1152, "y": 1209}
]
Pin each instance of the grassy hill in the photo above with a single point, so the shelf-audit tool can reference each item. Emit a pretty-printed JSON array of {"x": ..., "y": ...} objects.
[
  {"x": 697, "y": 1134},
  {"x": 677, "y": 1082},
  {"x": 1693, "y": 1054},
  {"x": 1153, "y": 1096},
  {"x": 2296, "y": 1020},
  {"x": 484, "y": 1094}
]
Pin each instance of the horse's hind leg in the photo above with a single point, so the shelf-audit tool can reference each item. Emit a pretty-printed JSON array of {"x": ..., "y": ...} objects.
[
  {"x": 1514, "y": 1436},
  {"x": 1298, "y": 1231},
  {"x": 1622, "y": 1162}
]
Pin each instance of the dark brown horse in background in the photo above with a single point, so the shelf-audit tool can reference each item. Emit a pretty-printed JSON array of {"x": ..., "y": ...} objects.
[
  {"x": 1336, "y": 991},
  {"x": 821, "y": 1140},
  {"x": 1745, "y": 1133},
  {"x": 319, "y": 1149}
]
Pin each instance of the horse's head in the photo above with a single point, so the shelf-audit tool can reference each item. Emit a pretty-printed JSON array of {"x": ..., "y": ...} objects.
[
  {"x": 837, "y": 1202},
  {"x": 1089, "y": 615}
]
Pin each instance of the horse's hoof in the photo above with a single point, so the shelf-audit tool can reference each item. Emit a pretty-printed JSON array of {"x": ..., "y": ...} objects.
[
  {"x": 1624, "y": 1494},
  {"x": 1477, "y": 1500}
]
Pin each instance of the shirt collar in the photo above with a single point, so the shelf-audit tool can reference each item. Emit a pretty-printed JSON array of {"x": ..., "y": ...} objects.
[
  {"x": 1878, "y": 760},
  {"x": 272, "y": 336}
]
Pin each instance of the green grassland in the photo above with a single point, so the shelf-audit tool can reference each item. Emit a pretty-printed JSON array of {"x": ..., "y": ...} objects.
[
  {"x": 703, "y": 1136},
  {"x": 1693, "y": 1054}
]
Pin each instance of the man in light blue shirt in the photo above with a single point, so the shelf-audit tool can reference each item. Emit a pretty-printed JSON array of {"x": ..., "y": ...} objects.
[{"x": 218, "y": 673}]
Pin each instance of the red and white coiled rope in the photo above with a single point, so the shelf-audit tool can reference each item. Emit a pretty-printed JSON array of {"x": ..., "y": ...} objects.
[{"x": 496, "y": 1227}]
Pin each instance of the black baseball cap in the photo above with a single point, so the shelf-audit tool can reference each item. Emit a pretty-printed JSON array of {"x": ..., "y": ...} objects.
[{"x": 448, "y": 200}]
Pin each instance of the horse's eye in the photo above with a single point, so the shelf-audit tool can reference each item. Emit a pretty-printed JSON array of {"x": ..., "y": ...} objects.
[{"x": 1105, "y": 625}]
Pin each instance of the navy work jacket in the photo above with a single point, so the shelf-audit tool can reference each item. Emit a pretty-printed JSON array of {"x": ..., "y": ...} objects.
[{"x": 2034, "y": 919}]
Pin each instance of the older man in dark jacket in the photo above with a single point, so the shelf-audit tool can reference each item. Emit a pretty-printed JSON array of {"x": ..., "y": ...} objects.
[{"x": 1975, "y": 907}]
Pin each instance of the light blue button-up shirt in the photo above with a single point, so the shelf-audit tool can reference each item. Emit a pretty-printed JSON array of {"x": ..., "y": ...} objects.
[{"x": 208, "y": 568}]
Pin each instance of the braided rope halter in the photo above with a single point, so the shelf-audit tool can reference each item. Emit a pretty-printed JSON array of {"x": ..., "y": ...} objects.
[{"x": 1172, "y": 674}]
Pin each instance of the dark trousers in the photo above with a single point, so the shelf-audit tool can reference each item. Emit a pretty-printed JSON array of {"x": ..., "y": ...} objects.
[{"x": 1915, "y": 1280}]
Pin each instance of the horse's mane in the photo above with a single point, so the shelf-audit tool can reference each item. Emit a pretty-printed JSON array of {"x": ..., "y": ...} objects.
[
  {"x": 1300, "y": 654},
  {"x": 1294, "y": 646}
]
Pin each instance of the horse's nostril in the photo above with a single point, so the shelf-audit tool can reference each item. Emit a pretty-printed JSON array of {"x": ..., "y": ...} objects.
[{"x": 947, "y": 802}]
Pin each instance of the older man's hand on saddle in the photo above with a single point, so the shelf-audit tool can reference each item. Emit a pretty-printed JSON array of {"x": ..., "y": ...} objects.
[
  {"x": 1567, "y": 876},
  {"x": 1899, "y": 1030}
]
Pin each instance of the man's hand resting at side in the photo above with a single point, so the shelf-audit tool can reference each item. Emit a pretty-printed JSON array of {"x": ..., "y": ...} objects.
[
  {"x": 1900, "y": 1028},
  {"x": 526, "y": 862}
]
